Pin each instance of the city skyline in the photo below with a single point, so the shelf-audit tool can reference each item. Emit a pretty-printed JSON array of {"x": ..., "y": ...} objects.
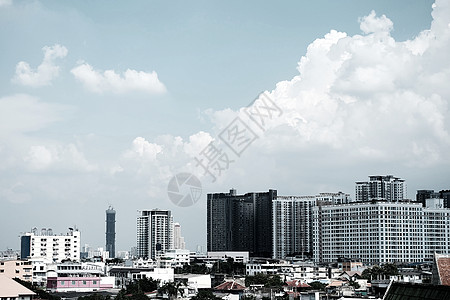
[{"x": 104, "y": 104}]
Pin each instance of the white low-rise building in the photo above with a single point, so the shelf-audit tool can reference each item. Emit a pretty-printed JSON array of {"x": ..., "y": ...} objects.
[
  {"x": 238, "y": 256},
  {"x": 45, "y": 244},
  {"x": 174, "y": 258}
]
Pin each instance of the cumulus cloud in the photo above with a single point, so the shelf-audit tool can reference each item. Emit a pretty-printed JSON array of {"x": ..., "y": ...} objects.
[
  {"x": 110, "y": 81},
  {"x": 368, "y": 98},
  {"x": 45, "y": 72},
  {"x": 143, "y": 149},
  {"x": 57, "y": 157},
  {"x": 372, "y": 24}
]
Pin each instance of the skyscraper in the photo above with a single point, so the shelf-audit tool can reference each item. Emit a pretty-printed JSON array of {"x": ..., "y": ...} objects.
[
  {"x": 240, "y": 222},
  {"x": 293, "y": 222},
  {"x": 111, "y": 231},
  {"x": 292, "y": 225},
  {"x": 154, "y": 233},
  {"x": 388, "y": 188},
  {"x": 178, "y": 240}
]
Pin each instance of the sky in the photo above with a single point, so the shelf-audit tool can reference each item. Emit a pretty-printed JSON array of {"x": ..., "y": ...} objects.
[{"x": 103, "y": 103}]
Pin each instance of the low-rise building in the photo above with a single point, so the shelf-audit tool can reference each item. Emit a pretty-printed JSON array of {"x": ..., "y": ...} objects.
[
  {"x": 15, "y": 268},
  {"x": 45, "y": 244},
  {"x": 174, "y": 258},
  {"x": 238, "y": 256}
]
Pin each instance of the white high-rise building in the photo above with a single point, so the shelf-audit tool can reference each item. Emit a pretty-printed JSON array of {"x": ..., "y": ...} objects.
[
  {"x": 379, "y": 232},
  {"x": 45, "y": 244},
  {"x": 154, "y": 233},
  {"x": 387, "y": 188},
  {"x": 178, "y": 240},
  {"x": 292, "y": 222}
]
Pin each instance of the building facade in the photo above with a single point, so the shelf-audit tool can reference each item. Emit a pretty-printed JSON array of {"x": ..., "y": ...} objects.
[
  {"x": 14, "y": 268},
  {"x": 240, "y": 222},
  {"x": 178, "y": 240},
  {"x": 45, "y": 244},
  {"x": 111, "y": 232},
  {"x": 423, "y": 195},
  {"x": 154, "y": 233},
  {"x": 387, "y": 188},
  {"x": 292, "y": 225},
  {"x": 292, "y": 222},
  {"x": 380, "y": 232}
]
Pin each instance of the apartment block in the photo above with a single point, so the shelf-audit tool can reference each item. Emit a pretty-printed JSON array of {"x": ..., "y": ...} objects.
[
  {"x": 387, "y": 188},
  {"x": 240, "y": 222},
  {"x": 293, "y": 222},
  {"x": 154, "y": 233},
  {"x": 380, "y": 231},
  {"x": 45, "y": 244}
]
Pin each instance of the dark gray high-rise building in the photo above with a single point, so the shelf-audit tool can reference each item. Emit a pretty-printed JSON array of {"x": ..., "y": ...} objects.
[
  {"x": 111, "y": 231},
  {"x": 422, "y": 195},
  {"x": 240, "y": 222}
]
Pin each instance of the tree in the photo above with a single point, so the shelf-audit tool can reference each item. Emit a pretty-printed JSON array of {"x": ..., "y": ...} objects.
[
  {"x": 205, "y": 294},
  {"x": 377, "y": 272},
  {"x": 389, "y": 269},
  {"x": 354, "y": 284},
  {"x": 266, "y": 280},
  {"x": 317, "y": 285},
  {"x": 170, "y": 288}
]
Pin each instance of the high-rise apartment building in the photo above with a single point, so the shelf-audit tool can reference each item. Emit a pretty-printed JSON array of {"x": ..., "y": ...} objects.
[
  {"x": 292, "y": 222},
  {"x": 292, "y": 225},
  {"x": 178, "y": 240},
  {"x": 111, "y": 232},
  {"x": 388, "y": 188},
  {"x": 423, "y": 195},
  {"x": 240, "y": 222},
  {"x": 379, "y": 231},
  {"x": 45, "y": 244},
  {"x": 154, "y": 233}
]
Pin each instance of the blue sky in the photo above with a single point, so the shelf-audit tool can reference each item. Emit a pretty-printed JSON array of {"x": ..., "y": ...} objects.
[{"x": 101, "y": 103}]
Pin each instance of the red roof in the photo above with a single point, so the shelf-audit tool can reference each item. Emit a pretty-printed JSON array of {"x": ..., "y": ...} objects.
[
  {"x": 297, "y": 283},
  {"x": 230, "y": 286}
]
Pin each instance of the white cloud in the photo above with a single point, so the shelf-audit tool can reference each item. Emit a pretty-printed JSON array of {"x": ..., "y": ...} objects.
[
  {"x": 57, "y": 157},
  {"x": 23, "y": 113},
  {"x": 110, "y": 81},
  {"x": 370, "y": 99},
  {"x": 5, "y": 2},
  {"x": 372, "y": 24},
  {"x": 143, "y": 149},
  {"x": 45, "y": 72}
]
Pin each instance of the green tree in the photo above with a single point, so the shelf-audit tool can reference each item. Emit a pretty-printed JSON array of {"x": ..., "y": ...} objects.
[
  {"x": 171, "y": 289},
  {"x": 317, "y": 285},
  {"x": 205, "y": 294},
  {"x": 389, "y": 269}
]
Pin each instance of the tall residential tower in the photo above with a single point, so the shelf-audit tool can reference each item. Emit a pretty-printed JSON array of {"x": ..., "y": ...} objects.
[
  {"x": 240, "y": 222},
  {"x": 111, "y": 231},
  {"x": 154, "y": 233}
]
